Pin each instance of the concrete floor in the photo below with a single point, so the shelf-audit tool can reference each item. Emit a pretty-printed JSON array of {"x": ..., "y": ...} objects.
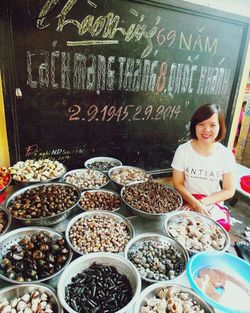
[{"x": 241, "y": 212}]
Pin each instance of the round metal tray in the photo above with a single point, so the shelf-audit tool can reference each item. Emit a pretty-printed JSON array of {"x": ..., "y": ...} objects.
[
  {"x": 17, "y": 291},
  {"x": 43, "y": 221},
  {"x": 152, "y": 290},
  {"x": 112, "y": 170},
  {"x": 104, "y": 191},
  {"x": 86, "y": 170},
  {"x": 123, "y": 266},
  {"x": 88, "y": 163},
  {"x": 175, "y": 218},
  {"x": 12, "y": 238},
  {"x": 113, "y": 215},
  {"x": 136, "y": 242},
  {"x": 7, "y": 214},
  {"x": 149, "y": 215}
]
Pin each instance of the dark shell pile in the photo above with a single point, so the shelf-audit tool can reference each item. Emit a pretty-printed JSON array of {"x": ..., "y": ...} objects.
[
  {"x": 98, "y": 289},
  {"x": 151, "y": 197},
  {"x": 3, "y": 221},
  {"x": 43, "y": 201},
  {"x": 35, "y": 257},
  {"x": 99, "y": 200}
]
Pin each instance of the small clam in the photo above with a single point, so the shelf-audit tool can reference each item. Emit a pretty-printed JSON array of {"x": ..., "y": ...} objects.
[
  {"x": 26, "y": 297},
  {"x": 21, "y": 305},
  {"x": 6, "y": 309},
  {"x": 35, "y": 304},
  {"x": 18, "y": 255},
  {"x": 14, "y": 302},
  {"x": 44, "y": 297}
]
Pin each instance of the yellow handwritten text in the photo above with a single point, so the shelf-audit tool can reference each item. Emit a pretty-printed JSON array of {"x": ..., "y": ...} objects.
[{"x": 106, "y": 26}]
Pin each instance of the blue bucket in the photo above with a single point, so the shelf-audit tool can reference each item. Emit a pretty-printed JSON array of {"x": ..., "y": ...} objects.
[{"x": 227, "y": 263}]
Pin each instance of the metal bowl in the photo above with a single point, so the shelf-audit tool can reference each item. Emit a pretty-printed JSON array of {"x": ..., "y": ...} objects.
[
  {"x": 150, "y": 215},
  {"x": 175, "y": 227},
  {"x": 117, "y": 217},
  {"x": 152, "y": 290},
  {"x": 124, "y": 267},
  {"x": 84, "y": 172},
  {"x": 126, "y": 168},
  {"x": 136, "y": 243},
  {"x": 13, "y": 292},
  {"x": 27, "y": 182},
  {"x": 8, "y": 219},
  {"x": 101, "y": 161},
  {"x": 105, "y": 191},
  {"x": 12, "y": 238},
  {"x": 43, "y": 221}
]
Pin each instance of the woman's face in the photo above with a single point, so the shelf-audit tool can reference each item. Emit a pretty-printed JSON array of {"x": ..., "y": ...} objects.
[{"x": 207, "y": 130}]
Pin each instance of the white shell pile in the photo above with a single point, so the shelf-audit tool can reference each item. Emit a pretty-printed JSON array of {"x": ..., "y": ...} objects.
[
  {"x": 99, "y": 233},
  {"x": 197, "y": 235},
  {"x": 30, "y": 302},
  {"x": 86, "y": 179},
  {"x": 37, "y": 170},
  {"x": 126, "y": 175},
  {"x": 171, "y": 300}
]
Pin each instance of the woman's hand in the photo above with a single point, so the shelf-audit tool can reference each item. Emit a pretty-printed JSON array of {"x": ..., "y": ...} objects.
[
  {"x": 195, "y": 205},
  {"x": 201, "y": 208},
  {"x": 227, "y": 192},
  {"x": 205, "y": 201}
]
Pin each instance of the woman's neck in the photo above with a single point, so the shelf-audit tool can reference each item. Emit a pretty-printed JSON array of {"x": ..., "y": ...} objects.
[{"x": 204, "y": 149}]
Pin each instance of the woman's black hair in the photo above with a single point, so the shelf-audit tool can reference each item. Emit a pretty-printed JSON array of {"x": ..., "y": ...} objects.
[{"x": 203, "y": 113}]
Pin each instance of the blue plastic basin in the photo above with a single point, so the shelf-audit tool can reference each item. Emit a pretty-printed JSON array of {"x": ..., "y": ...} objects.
[{"x": 229, "y": 264}]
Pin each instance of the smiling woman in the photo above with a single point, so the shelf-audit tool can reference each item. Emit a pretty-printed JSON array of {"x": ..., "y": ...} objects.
[{"x": 200, "y": 164}]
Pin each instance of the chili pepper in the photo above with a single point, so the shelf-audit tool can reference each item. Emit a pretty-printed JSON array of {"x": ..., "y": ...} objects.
[{"x": 4, "y": 177}]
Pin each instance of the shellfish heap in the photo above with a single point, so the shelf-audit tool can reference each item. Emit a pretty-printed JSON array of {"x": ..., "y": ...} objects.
[
  {"x": 99, "y": 288},
  {"x": 3, "y": 221},
  {"x": 125, "y": 175},
  {"x": 195, "y": 234},
  {"x": 37, "y": 170},
  {"x": 172, "y": 299},
  {"x": 34, "y": 257},
  {"x": 151, "y": 197},
  {"x": 157, "y": 260},
  {"x": 30, "y": 302}
]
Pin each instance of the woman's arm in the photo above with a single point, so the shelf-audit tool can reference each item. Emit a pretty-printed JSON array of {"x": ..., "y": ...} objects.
[
  {"x": 227, "y": 192},
  {"x": 178, "y": 181}
]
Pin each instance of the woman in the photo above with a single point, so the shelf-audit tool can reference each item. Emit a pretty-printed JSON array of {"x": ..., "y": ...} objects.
[{"x": 201, "y": 164}]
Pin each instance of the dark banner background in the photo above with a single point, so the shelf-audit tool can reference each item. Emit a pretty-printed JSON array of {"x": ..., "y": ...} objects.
[{"x": 113, "y": 78}]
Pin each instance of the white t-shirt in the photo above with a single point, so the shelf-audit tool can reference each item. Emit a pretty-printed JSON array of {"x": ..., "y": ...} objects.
[{"x": 203, "y": 173}]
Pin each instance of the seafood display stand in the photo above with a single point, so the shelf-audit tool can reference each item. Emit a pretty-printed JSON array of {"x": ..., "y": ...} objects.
[{"x": 141, "y": 225}]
